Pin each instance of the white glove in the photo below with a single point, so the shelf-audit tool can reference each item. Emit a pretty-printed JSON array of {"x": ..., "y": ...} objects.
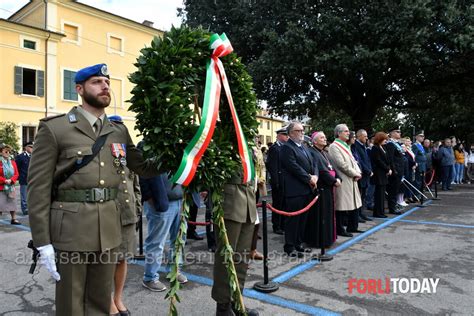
[{"x": 47, "y": 259}]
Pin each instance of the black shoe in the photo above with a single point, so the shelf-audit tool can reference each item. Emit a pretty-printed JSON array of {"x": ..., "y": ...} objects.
[
  {"x": 380, "y": 216},
  {"x": 396, "y": 212},
  {"x": 224, "y": 309},
  {"x": 248, "y": 311},
  {"x": 125, "y": 313},
  {"x": 193, "y": 235},
  {"x": 278, "y": 231},
  {"x": 294, "y": 254},
  {"x": 345, "y": 234},
  {"x": 361, "y": 220},
  {"x": 15, "y": 222},
  {"x": 303, "y": 249},
  {"x": 356, "y": 231},
  {"x": 365, "y": 218}
]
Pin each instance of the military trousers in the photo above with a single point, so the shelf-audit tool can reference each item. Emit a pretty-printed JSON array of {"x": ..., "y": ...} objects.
[
  {"x": 86, "y": 282},
  {"x": 240, "y": 239}
]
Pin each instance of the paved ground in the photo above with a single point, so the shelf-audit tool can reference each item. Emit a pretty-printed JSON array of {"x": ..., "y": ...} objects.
[{"x": 430, "y": 242}]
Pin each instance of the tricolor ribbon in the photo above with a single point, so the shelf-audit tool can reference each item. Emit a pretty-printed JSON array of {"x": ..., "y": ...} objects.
[{"x": 193, "y": 152}]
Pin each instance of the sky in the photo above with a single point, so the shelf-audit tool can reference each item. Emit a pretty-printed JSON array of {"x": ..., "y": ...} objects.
[{"x": 161, "y": 12}]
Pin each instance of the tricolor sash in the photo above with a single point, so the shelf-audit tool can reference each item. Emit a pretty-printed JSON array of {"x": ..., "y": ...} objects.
[{"x": 193, "y": 152}]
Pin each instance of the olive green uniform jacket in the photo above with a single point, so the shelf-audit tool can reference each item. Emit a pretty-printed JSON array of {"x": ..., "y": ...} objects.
[{"x": 78, "y": 226}]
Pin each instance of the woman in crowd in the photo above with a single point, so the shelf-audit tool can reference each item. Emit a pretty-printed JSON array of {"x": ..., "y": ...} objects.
[
  {"x": 381, "y": 170},
  {"x": 327, "y": 180},
  {"x": 8, "y": 177},
  {"x": 459, "y": 165}
]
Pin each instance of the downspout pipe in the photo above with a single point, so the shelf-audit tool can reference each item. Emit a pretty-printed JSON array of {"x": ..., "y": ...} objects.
[{"x": 46, "y": 58}]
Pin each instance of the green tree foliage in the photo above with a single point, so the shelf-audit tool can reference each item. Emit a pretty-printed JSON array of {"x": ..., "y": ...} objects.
[
  {"x": 307, "y": 56},
  {"x": 8, "y": 134},
  {"x": 169, "y": 83}
]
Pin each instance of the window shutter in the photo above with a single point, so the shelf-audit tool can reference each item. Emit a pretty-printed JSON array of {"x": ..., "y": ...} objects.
[
  {"x": 40, "y": 83},
  {"x": 18, "y": 80},
  {"x": 67, "y": 85}
]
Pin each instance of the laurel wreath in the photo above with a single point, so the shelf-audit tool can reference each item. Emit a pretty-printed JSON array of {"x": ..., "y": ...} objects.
[{"x": 167, "y": 99}]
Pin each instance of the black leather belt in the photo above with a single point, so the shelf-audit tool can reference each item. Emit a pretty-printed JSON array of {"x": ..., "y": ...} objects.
[{"x": 87, "y": 195}]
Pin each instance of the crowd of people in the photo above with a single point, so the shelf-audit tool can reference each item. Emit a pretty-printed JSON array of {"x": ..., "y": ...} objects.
[
  {"x": 354, "y": 174},
  {"x": 84, "y": 197}
]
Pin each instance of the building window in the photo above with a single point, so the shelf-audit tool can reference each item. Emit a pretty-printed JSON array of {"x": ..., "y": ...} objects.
[
  {"x": 28, "y": 134},
  {"x": 115, "y": 44},
  {"x": 269, "y": 140},
  {"x": 69, "y": 86},
  {"x": 261, "y": 124},
  {"x": 268, "y": 124},
  {"x": 29, "y": 81},
  {"x": 72, "y": 32},
  {"x": 29, "y": 44}
]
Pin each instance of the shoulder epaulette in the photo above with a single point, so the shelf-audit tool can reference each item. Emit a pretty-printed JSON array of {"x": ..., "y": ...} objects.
[{"x": 45, "y": 119}]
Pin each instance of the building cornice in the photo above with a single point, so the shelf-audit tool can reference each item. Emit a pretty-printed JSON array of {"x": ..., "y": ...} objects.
[
  {"x": 81, "y": 7},
  {"x": 270, "y": 118},
  {"x": 28, "y": 29}
]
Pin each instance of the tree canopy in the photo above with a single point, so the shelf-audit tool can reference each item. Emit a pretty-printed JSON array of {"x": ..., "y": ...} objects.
[{"x": 309, "y": 56}]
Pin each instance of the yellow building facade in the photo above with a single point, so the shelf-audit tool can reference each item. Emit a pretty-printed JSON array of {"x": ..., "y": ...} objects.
[
  {"x": 267, "y": 127},
  {"x": 44, "y": 44}
]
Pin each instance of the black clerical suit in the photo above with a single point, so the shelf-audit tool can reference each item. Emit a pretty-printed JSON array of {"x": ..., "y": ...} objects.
[{"x": 322, "y": 234}]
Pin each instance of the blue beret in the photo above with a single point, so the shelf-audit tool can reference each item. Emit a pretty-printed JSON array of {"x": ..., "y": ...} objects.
[
  {"x": 115, "y": 118},
  {"x": 99, "y": 70}
]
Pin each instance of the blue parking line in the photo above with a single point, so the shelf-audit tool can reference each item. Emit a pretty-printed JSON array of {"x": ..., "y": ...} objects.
[
  {"x": 284, "y": 302},
  {"x": 432, "y": 223},
  {"x": 267, "y": 298},
  {"x": 22, "y": 227},
  {"x": 307, "y": 265}
]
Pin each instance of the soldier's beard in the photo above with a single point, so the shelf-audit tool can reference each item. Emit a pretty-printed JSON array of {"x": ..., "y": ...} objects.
[{"x": 98, "y": 102}]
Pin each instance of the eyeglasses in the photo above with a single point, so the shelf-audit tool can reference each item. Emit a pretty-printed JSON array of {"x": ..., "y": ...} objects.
[{"x": 298, "y": 130}]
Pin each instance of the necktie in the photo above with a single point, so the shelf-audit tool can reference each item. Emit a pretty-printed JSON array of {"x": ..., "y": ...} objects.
[
  {"x": 304, "y": 152},
  {"x": 97, "y": 126}
]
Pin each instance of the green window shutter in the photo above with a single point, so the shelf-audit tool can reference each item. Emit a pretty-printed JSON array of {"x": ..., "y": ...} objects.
[
  {"x": 40, "y": 83},
  {"x": 69, "y": 86},
  {"x": 18, "y": 80}
]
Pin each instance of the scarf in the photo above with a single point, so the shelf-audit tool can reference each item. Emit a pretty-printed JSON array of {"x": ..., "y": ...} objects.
[
  {"x": 8, "y": 173},
  {"x": 397, "y": 145}
]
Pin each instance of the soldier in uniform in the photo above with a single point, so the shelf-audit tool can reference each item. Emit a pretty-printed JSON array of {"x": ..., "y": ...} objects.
[
  {"x": 240, "y": 213},
  {"x": 78, "y": 219}
]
